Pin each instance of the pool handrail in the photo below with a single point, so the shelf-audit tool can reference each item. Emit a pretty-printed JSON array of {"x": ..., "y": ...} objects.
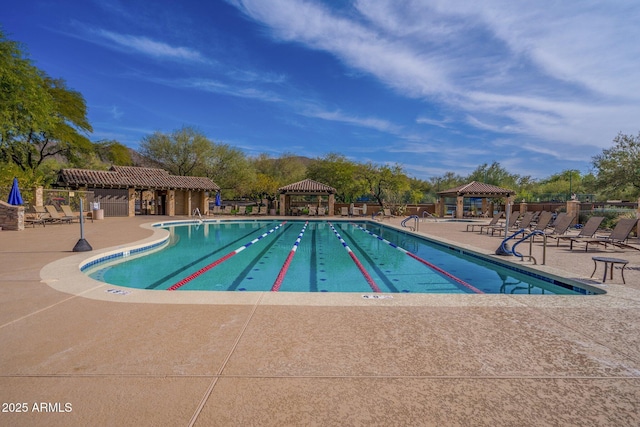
[
  {"x": 531, "y": 236},
  {"x": 416, "y": 219}
]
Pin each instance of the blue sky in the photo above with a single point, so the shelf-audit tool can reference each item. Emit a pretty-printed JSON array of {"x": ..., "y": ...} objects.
[{"x": 435, "y": 85}]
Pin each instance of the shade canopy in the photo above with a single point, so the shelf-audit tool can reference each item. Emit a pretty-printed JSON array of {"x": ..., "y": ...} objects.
[
  {"x": 477, "y": 189},
  {"x": 15, "y": 198}
]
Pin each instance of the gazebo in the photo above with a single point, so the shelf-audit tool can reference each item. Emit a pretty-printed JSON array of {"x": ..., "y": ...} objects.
[
  {"x": 473, "y": 189},
  {"x": 302, "y": 190}
]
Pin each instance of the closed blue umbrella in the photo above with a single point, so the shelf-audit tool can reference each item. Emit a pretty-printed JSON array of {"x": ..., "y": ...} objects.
[
  {"x": 14, "y": 195},
  {"x": 218, "y": 199}
]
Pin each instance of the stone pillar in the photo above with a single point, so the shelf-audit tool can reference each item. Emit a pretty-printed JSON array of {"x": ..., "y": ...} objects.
[
  {"x": 485, "y": 208},
  {"x": 39, "y": 199},
  {"x": 283, "y": 205},
  {"x": 170, "y": 209},
  {"x": 460, "y": 207},
  {"x": 11, "y": 217},
  {"x": 332, "y": 203},
  {"x": 440, "y": 207},
  {"x": 508, "y": 205},
  {"x": 188, "y": 202},
  {"x": 132, "y": 202},
  {"x": 523, "y": 207},
  {"x": 573, "y": 210}
]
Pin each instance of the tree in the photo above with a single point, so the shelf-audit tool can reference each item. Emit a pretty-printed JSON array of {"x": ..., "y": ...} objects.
[
  {"x": 113, "y": 152},
  {"x": 25, "y": 104},
  {"x": 337, "y": 171},
  {"x": 618, "y": 167},
  {"x": 494, "y": 175},
  {"x": 230, "y": 169},
  {"x": 184, "y": 152},
  {"x": 383, "y": 181},
  {"x": 40, "y": 118}
]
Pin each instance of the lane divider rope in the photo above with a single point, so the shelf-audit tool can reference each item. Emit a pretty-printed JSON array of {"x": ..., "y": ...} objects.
[
  {"x": 425, "y": 262},
  {"x": 223, "y": 259},
  {"x": 285, "y": 266},
  {"x": 355, "y": 259}
]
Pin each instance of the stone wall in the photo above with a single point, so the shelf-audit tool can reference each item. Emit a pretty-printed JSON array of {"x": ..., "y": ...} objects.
[{"x": 11, "y": 217}]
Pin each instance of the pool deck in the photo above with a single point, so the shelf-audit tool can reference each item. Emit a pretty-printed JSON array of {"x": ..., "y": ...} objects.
[{"x": 322, "y": 359}]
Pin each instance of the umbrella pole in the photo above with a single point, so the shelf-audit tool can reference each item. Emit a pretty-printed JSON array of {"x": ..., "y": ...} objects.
[{"x": 82, "y": 245}]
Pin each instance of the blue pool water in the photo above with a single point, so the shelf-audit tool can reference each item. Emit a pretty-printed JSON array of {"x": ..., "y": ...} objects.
[{"x": 316, "y": 256}]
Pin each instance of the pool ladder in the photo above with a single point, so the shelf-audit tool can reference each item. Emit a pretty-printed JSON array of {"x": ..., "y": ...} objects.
[
  {"x": 415, "y": 225},
  {"x": 195, "y": 212},
  {"x": 531, "y": 236}
]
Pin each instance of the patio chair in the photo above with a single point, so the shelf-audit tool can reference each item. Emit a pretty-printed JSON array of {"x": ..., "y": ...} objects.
[
  {"x": 313, "y": 210},
  {"x": 344, "y": 211},
  {"x": 494, "y": 221},
  {"x": 543, "y": 221},
  {"x": 525, "y": 221},
  {"x": 386, "y": 213},
  {"x": 55, "y": 215},
  {"x": 617, "y": 237},
  {"x": 242, "y": 210},
  {"x": 263, "y": 210},
  {"x": 66, "y": 210},
  {"x": 513, "y": 218},
  {"x": 561, "y": 225},
  {"x": 227, "y": 210},
  {"x": 322, "y": 211},
  {"x": 589, "y": 229}
]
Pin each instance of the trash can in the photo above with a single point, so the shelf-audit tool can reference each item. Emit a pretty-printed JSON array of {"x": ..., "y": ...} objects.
[{"x": 97, "y": 213}]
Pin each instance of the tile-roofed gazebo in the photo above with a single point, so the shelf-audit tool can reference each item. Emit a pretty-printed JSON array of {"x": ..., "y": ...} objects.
[
  {"x": 132, "y": 187},
  {"x": 473, "y": 189},
  {"x": 477, "y": 189},
  {"x": 306, "y": 187}
]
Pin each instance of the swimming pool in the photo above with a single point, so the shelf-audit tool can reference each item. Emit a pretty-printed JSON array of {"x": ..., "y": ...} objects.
[{"x": 313, "y": 256}]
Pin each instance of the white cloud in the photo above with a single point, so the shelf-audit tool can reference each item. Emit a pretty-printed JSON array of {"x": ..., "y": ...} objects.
[
  {"x": 550, "y": 72},
  {"x": 147, "y": 46}
]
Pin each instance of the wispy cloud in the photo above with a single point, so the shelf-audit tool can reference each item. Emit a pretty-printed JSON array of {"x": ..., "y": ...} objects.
[
  {"x": 146, "y": 46},
  {"x": 537, "y": 72},
  {"x": 366, "y": 122}
]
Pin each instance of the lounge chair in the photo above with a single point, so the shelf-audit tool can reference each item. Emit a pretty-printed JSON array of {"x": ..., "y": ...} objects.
[
  {"x": 494, "y": 221},
  {"x": 586, "y": 232},
  {"x": 66, "y": 210},
  {"x": 561, "y": 225},
  {"x": 263, "y": 210},
  {"x": 313, "y": 211},
  {"x": 322, "y": 211},
  {"x": 35, "y": 218},
  {"x": 344, "y": 211},
  {"x": 525, "y": 221},
  {"x": 543, "y": 221},
  {"x": 513, "y": 218},
  {"x": 55, "y": 215},
  {"x": 386, "y": 213},
  {"x": 617, "y": 237},
  {"x": 242, "y": 210},
  {"x": 227, "y": 210}
]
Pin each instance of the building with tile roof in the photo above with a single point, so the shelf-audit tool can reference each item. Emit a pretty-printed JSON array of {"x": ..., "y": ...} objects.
[
  {"x": 306, "y": 193},
  {"x": 474, "y": 189},
  {"x": 127, "y": 190}
]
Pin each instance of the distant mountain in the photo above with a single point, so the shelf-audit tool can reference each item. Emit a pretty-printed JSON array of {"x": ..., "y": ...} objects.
[{"x": 140, "y": 160}]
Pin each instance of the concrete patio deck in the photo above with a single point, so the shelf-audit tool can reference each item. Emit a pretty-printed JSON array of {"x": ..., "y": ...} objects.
[{"x": 289, "y": 360}]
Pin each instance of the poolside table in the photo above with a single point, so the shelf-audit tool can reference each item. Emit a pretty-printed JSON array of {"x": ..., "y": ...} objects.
[{"x": 607, "y": 261}]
